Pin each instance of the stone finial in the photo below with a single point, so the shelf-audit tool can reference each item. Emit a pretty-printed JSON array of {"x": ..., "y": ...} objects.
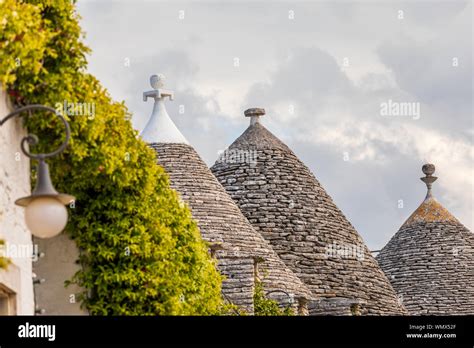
[
  {"x": 157, "y": 82},
  {"x": 428, "y": 169},
  {"x": 160, "y": 128},
  {"x": 254, "y": 114}
]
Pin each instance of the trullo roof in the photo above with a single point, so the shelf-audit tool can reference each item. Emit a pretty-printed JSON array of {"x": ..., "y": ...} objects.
[
  {"x": 283, "y": 200},
  {"x": 221, "y": 221},
  {"x": 430, "y": 260}
]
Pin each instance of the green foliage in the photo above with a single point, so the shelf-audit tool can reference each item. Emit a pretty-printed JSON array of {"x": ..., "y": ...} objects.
[
  {"x": 23, "y": 40},
  {"x": 264, "y": 306},
  {"x": 4, "y": 262},
  {"x": 231, "y": 309},
  {"x": 142, "y": 253}
]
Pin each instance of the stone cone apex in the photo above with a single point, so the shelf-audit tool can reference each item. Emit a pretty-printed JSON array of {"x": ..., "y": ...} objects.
[
  {"x": 160, "y": 128},
  {"x": 430, "y": 260},
  {"x": 242, "y": 253},
  {"x": 283, "y": 200}
]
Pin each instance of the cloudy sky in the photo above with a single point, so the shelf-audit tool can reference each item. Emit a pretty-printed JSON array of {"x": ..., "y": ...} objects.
[{"x": 324, "y": 71}]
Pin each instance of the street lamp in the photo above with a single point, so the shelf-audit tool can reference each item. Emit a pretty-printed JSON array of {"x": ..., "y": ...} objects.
[{"x": 45, "y": 211}]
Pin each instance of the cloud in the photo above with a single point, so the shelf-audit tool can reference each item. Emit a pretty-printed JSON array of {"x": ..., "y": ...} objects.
[
  {"x": 320, "y": 107},
  {"x": 337, "y": 116}
]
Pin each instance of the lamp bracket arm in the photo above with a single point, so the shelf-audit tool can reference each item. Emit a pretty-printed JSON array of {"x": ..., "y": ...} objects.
[{"x": 32, "y": 139}]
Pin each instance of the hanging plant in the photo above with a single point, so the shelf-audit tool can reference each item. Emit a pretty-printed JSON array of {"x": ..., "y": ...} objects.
[{"x": 141, "y": 251}]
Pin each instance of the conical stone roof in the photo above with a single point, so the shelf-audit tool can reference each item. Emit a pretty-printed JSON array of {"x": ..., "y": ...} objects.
[
  {"x": 242, "y": 251},
  {"x": 220, "y": 220},
  {"x": 430, "y": 260},
  {"x": 285, "y": 203}
]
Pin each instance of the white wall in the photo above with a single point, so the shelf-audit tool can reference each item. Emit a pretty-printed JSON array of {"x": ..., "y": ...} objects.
[
  {"x": 56, "y": 266},
  {"x": 15, "y": 183}
]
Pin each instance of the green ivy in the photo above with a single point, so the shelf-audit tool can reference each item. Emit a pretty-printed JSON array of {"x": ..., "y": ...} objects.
[
  {"x": 263, "y": 306},
  {"x": 141, "y": 252},
  {"x": 4, "y": 262}
]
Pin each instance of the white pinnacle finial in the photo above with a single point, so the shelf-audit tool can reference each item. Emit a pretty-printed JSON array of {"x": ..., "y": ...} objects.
[{"x": 160, "y": 128}]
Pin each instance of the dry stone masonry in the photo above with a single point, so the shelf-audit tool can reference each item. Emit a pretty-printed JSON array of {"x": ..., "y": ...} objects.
[
  {"x": 242, "y": 253},
  {"x": 283, "y": 200},
  {"x": 220, "y": 221},
  {"x": 430, "y": 260}
]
